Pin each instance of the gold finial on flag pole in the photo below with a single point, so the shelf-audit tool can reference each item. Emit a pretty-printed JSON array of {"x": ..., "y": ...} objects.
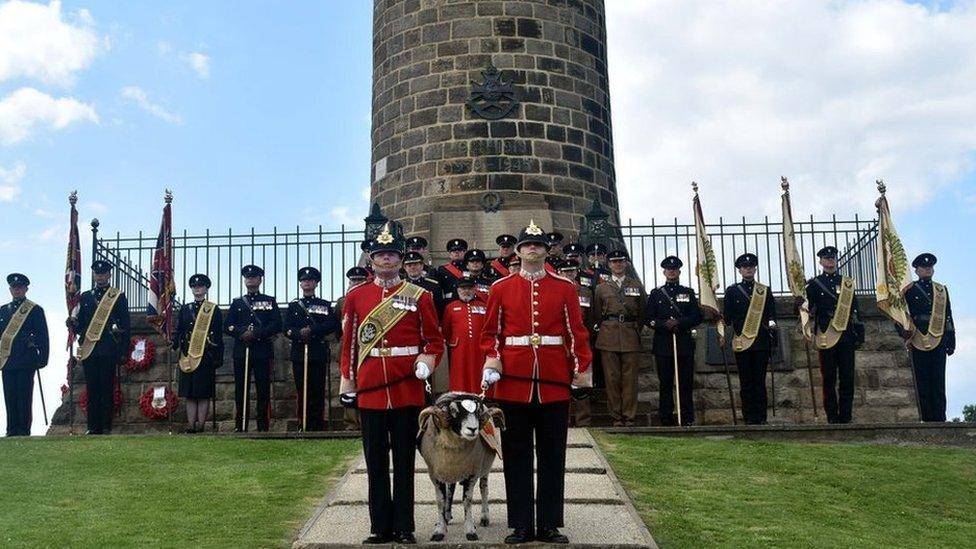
[
  {"x": 168, "y": 197},
  {"x": 694, "y": 187},
  {"x": 784, "y": 183},
  {"x": 881, "y": 186},
  {"x": 73, "y": 198}
]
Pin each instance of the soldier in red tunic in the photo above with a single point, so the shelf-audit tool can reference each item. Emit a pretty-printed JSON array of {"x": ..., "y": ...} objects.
[
  {"x": 391, "y": 342},
  {"x": 537, "y": 349},
  {"x": 461, "y": 326}
]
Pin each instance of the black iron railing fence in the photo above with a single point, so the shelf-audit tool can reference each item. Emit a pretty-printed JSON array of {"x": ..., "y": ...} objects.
[
  {"x": 282, "y": 252},
  {"x": 854, "y": 239}
]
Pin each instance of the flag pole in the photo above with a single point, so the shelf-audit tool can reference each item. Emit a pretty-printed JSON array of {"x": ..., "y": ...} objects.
[{"x": 796, "y": 279}]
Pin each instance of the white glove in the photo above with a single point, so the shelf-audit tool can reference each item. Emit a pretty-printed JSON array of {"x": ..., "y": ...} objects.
[
  {"x": 772, "y": 324},
  {"x": 421, "y": 370},
  {"x": 489, "y": 377}
]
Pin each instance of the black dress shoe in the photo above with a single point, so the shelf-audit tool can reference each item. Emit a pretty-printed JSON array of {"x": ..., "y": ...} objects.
[
  {"x": 519, "y": 535},
  {"x": 405, "y": 538},
  {"x": 550, "y": 535},
  {"x": 377, "y": 539}
]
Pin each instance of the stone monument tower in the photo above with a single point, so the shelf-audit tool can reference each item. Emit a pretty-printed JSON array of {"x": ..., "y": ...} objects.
[{"x": 488, "y": 113}]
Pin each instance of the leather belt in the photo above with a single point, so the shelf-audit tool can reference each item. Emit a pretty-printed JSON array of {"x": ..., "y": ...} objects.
[
  {"x": 534, "y": 340},
  {"x": 620, "y": 318},
  {"x": 394, "y": 351}
]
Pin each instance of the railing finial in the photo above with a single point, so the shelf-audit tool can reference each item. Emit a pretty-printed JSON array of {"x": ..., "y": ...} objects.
[{"x": 94, "y": 223}]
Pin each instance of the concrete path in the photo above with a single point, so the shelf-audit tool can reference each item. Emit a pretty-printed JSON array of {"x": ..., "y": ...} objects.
[{"x": 598, "y": 511}]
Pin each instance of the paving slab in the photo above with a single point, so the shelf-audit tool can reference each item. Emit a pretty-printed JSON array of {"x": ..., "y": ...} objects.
[
  {"x": 598, "y": 512},
  {"x": 580, "y": 460},
  {"x": 580, "y": 487}
]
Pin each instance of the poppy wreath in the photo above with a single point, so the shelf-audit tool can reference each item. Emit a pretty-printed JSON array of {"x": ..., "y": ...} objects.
[
  {"x": 154, "y": 408},
  {"x": 142, "y": 354},
  {"x": 116, "y": 400}
]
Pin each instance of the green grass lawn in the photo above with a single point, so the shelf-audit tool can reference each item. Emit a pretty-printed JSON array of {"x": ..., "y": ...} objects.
[
  {"x": 162, "y": 491},
  {"x": 702, "y": 493}
]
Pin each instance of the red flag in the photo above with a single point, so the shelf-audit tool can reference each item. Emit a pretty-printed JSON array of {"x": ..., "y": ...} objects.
[{"x": 159, "y": 310}]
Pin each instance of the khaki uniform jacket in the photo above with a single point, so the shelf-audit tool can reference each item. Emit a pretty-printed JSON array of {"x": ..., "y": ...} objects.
[{"x": 626, "y": 303}]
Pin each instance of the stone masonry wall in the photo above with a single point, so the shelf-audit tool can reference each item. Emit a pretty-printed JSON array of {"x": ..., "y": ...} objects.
[{"x": 432, "y": 153}]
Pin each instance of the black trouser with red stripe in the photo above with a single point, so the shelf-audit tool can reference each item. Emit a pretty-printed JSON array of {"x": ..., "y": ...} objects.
[
  {"x": 18, "y": 394},
  {"x": 542, "y": 506},
  {"x": 385, "y": 430},
  {"x": 260, "y": 372},
  {"x": 317, "y": 371},
  {"x": 100, "y": 383},
  {"x": 837, "y": 363}
]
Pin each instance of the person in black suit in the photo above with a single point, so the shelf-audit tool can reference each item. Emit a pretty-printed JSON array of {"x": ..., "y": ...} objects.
[{"x": 24, "y": 351}]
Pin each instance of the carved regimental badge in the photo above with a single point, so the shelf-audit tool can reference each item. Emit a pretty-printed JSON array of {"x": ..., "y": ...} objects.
[{"x": 494, "y": 98}]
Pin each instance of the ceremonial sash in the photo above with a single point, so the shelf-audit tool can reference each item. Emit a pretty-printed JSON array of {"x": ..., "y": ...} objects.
[
  {"x": 842, "y": 314},
  {"x": 501, "y": 269},
  {"x": 750, "y": 328},
  {"x": 384, "y": 317},
  {"x": 455, "y": 272},
  {"x": 97, "y": 325},
  {"x": 12, "y": 329},
  {"x": 931, "y": 340},
  {"x": 198, "y": 338}
]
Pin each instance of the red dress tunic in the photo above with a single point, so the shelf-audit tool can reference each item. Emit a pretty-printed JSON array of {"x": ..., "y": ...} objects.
[
  {"x": 461, "y": 326},
  {"x": 521, "y": 308},
  {"x": 384, "y": 382}
]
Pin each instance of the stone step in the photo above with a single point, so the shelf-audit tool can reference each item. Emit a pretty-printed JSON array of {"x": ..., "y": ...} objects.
[
  {"x": 580, "y": 488},
  {"x": 578, "y": 460},
  {"x": 592, "y": 525}
]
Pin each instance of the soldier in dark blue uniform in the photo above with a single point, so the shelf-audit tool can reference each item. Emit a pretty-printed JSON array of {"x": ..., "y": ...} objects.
[
  {"x": 506, "y": 249},
  {"x": 419, "y": 245},
  {"x": 198, "y": 385},
  {"x": 24, "y": 347},
  {"x": 253, "y": 321},
  {"x": 475, "y": 268},
  {"x": 752, "y": 358},
  {"x": 555, "y": 248},
  {"x": 413, "y": 272},
  {"x": 929, "y": 305},
  {"x": 672, "y": 310},
  {"x": 449, "y": 273},
  {"x": 308, "y": 322},
  {"x": 110, "y": 349},
  {"x": 837, "y": 360}
]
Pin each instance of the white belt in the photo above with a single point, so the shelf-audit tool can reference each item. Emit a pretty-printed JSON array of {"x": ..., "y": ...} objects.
[
  {"x": 394, "y": 351},
  {"x": 534, "y": 340}
]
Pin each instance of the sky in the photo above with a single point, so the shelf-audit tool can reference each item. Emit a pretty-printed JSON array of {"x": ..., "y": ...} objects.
[{"x": 257, "y": 114}]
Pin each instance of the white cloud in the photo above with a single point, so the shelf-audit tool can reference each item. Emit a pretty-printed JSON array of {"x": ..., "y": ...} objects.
[
  {"x": 138, "y": 96},
  {"x": 9, "y": 179},
  {"x": 832, "y": 94},
  {"x": 53, "y": 233},
  {"x": 25, "y": 109},
  {"x": 199, "y": 62},
  {"x": 340, "y": 214},
  {"x": 37, "y": 42}
]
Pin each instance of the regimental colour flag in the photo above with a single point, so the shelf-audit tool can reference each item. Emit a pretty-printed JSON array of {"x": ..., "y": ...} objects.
[
  {"x": 893, "y": 273},
  {"x": 706, "y": 267},
  {"x": 159, "y": 308}
]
